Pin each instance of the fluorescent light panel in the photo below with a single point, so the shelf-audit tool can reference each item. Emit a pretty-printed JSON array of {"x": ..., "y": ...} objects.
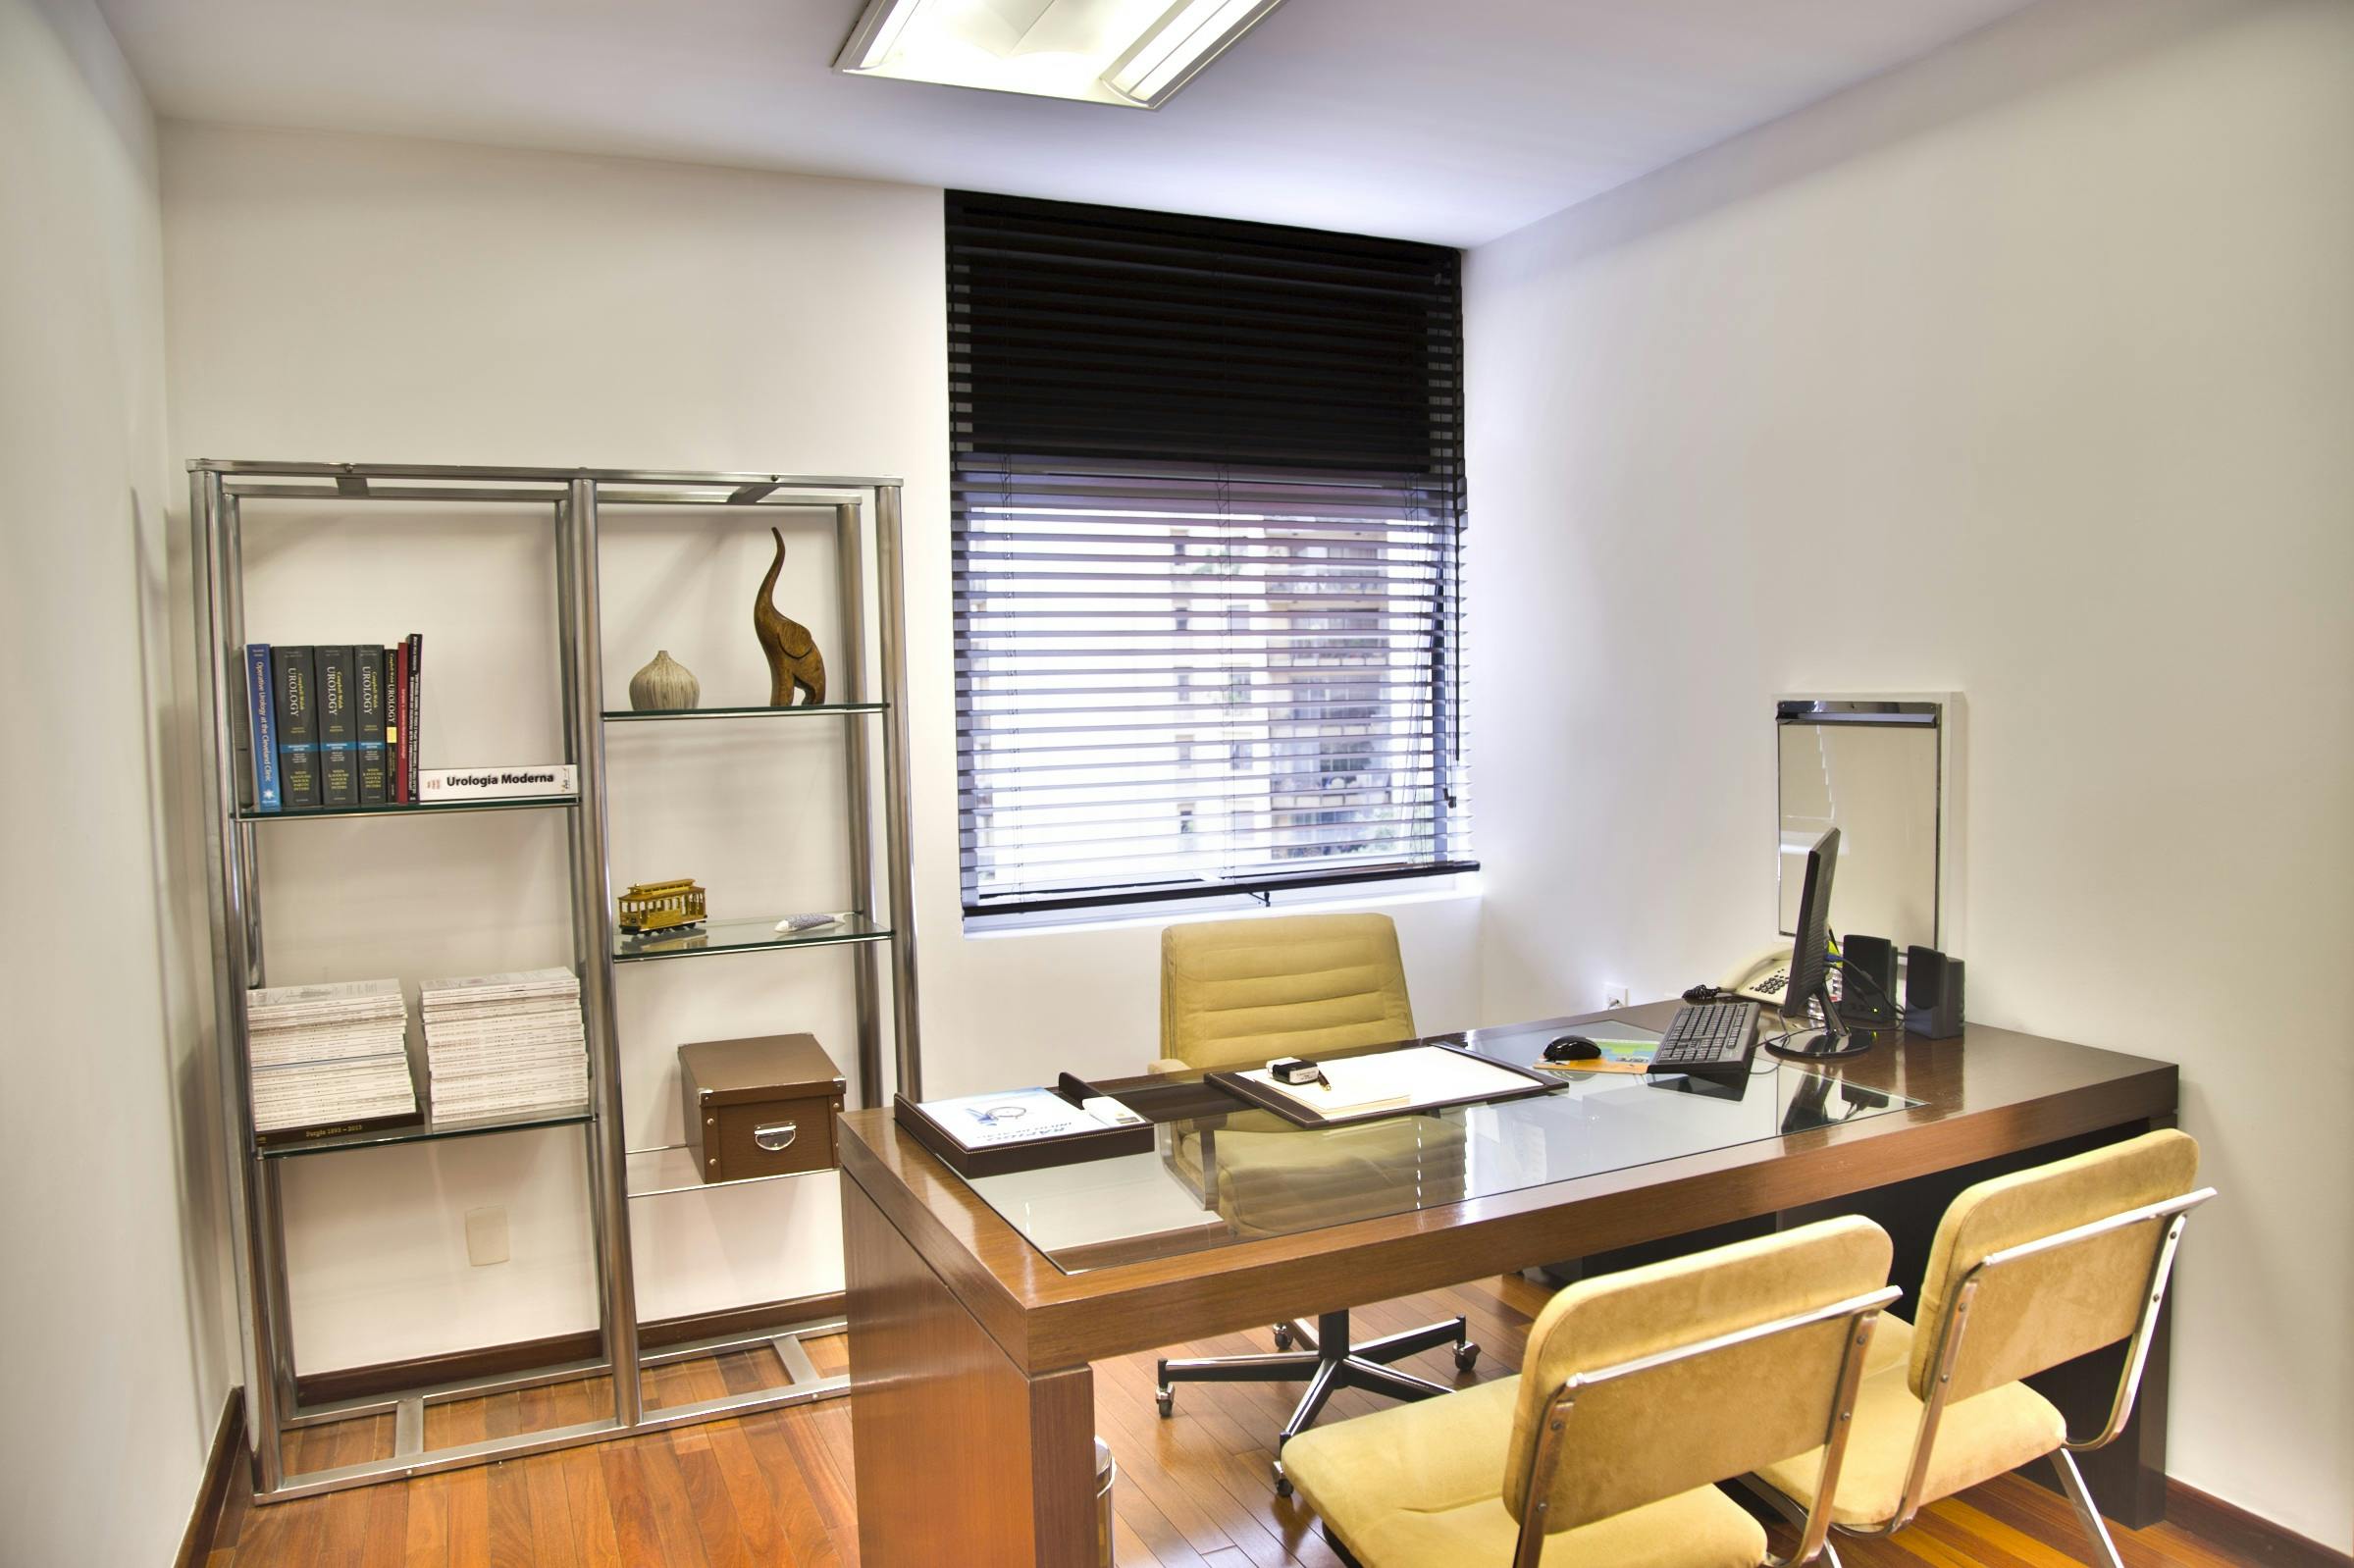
[{"x": 1131, "y": 53}]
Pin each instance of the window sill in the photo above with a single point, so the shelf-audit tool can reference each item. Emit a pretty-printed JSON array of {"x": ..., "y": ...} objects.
[{"x": 1155, "y": 913}]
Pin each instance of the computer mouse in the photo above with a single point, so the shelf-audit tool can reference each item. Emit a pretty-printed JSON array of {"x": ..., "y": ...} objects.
[{"x": 1572, "y": 1048}]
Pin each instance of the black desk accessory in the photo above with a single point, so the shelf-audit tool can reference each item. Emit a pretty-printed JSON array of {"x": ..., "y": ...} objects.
[
  {"x": 1572, "y": 1048},
  {"x": 1708, "y": 1036},
  {"x": 1810, "y": 969},
  {"x": 1867, "y": 993},
  {"x": 1932, "y": 994}
]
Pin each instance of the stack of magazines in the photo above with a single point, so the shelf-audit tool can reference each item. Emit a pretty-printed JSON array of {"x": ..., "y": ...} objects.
[
  {"x": 504, "y": 1045},
  {"x": 328, "y": 1059}
]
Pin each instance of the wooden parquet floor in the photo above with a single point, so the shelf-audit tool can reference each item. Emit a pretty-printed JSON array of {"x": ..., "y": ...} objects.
[{"x": 776, "y": 1489}]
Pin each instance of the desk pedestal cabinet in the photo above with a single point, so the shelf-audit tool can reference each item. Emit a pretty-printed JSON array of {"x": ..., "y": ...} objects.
[{"x": 972, "y": 1399}]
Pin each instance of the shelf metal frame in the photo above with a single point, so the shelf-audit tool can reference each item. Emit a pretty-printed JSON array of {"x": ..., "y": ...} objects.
[{"x": 573, "y": 497}]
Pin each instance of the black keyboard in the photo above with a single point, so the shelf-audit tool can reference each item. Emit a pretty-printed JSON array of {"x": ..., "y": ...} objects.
[{"x": 1709, "y": 1034}]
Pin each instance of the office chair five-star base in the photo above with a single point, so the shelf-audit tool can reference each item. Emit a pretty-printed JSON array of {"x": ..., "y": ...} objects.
[{"x": 1330, "y": 1363}]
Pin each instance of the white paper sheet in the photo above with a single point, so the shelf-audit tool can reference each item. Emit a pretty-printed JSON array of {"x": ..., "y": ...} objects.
[{"x": 1406, "y": 1080}]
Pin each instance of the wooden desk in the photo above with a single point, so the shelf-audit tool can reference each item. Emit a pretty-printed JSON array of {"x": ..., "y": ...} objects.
[{"x": 973, "y": 1404}]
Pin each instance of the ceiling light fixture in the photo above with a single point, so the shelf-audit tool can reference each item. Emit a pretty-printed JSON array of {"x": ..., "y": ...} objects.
[
  {"x": 1187, "y": 37},
  {"x": 1132, "y": 53}
]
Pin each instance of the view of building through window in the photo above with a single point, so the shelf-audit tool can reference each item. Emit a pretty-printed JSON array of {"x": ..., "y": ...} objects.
[{"x": 1196, "y": 691}]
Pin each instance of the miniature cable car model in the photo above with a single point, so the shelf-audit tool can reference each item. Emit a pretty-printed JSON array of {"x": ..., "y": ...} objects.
[{"x": 660, "y": 907}]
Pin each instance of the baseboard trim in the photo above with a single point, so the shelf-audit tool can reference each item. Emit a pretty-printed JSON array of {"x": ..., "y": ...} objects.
[
  {"x": 494, "y": 1361},
  {"x": 212, "y": 1496},
  {"x": 2244, "y": 1536}
]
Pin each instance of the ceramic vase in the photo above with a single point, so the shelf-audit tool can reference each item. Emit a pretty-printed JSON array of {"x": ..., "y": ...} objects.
[{"x": 662, "y": 685}]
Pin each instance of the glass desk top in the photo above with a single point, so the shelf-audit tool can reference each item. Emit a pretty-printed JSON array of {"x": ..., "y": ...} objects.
[{"x": 1242, "y": 1175}]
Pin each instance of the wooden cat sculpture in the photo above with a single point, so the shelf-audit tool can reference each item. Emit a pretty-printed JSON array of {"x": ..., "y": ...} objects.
[{"x": 793, "y": 656}]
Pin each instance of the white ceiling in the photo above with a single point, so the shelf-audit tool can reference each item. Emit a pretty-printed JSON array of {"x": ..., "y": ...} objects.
[{"x": 1447, "y": 119}]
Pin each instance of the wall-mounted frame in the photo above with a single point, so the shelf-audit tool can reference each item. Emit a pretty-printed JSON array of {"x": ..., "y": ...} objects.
[{"x": 1882, "y": 769}]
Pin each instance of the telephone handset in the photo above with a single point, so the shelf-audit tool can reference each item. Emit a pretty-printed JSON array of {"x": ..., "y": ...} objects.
[{"x": 1764, "y": 978}]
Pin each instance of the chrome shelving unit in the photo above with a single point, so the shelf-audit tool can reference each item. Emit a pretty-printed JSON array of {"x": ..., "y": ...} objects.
[{"x": 880, "y": 926}]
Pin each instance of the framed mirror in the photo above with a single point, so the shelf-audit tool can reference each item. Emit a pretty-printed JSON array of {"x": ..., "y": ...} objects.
[{"x": 1875, "y": 769}]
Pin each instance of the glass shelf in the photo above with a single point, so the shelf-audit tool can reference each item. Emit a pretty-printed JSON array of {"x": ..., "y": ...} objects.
[
  {"x": 661, "y": 1171},
  {"x": 429, "y": 1129},
  {"x": 812, "y": 711},
  {"x": 516, "y": 802},
  {"x": 742, "y": 936}
]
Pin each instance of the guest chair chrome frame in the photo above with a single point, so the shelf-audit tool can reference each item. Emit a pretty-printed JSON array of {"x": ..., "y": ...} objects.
[
  {"x": 1545, "y": 1458},
  {"x": 1814, "y": 1523},
  {"x": 2172, "y": 1213}
]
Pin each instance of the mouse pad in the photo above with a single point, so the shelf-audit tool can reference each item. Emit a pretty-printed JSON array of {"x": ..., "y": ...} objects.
[{"x": 1624, "y": 1047}]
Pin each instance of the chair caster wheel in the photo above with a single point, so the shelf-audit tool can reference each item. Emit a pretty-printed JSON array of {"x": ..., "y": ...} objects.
[
  {"x": 1283, "y": 1485},
  {"x": 1166, "y": 1400},
  {"x": 1466, "y": 1356},
  {"x": 1283, "y": 1336}
]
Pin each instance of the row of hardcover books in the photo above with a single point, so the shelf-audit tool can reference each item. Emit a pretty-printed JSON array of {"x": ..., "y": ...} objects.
[{"x": 331, "y": 726}]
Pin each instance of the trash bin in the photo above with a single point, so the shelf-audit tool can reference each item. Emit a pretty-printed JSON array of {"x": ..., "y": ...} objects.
[{"x": 1106, "y": 1472}]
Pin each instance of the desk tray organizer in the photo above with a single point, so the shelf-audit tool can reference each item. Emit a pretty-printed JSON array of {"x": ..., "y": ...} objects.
[{"x": 1069, "y": 1148}]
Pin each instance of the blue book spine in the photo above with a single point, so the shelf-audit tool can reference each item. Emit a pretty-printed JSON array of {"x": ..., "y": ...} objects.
[{"x": 261, "y": 707}]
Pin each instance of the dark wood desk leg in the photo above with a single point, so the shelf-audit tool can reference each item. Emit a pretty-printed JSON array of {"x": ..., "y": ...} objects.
[
  {"x": 2128, "y": 1477},
  {"x": 961, "y": 1457}
]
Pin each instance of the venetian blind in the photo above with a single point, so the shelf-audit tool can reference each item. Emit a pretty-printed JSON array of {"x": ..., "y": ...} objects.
[{"x": 1207, "y": 505}]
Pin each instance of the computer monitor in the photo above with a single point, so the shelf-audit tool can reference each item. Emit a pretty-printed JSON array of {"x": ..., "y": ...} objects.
[{"x": 1810, "y": 965}]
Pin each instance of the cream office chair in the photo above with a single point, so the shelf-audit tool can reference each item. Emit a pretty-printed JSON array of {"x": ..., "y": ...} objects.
[
  {"x": 1640, "y": 1390},
  {"x": 2027, "y": 1271},
  {"x": 1235, "y": 994}
]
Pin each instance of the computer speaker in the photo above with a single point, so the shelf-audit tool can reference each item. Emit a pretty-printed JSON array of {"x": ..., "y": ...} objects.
[
  {"x": 1867, "y": 992},
  {"x": 1932, "y": 994}
]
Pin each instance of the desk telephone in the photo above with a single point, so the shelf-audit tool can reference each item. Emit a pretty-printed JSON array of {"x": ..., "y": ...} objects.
[{"x": 1764, "y": 978}]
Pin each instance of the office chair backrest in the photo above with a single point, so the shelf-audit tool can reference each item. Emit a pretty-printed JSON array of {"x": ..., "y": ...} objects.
[
  {"x": 2040, "y": 1310},
  {"x": 1240, "y": 992},
  {"x": 1696, "y": 1419},
  {"x": 1280, "y": 1184}
]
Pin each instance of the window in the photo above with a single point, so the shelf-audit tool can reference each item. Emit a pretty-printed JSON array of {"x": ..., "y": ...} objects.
[{"x": 1207, "y": 499}]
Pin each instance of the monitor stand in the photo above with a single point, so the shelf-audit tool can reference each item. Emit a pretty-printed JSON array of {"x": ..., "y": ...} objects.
[{"x": 1833, "y": 1040}]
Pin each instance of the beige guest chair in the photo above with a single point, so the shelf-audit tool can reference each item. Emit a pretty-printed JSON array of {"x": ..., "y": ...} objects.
[
  {"x": 2027, "y": 1271},
  {"x": 1237, "y": 994},
  {"x": 1640, "y": 1390}
]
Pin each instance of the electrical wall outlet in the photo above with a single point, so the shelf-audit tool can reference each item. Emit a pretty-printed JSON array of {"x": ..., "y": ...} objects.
[
  {"x": 485, "y": 1236},
  {"x": 1616, "y": 995}
]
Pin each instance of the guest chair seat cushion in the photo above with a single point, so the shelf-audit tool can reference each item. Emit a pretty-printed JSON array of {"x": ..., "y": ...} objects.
[
  {"x": 1979, "y": 1437},
  {"x": 1422, "y": 1485}
]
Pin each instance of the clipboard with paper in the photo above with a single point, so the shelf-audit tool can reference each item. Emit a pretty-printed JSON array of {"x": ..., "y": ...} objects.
[{"x": 1401, "y": 1082}]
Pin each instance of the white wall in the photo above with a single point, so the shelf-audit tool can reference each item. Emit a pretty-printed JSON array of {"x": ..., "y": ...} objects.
[
  {"x": 2027, "y": 371},
  {"x": 117, "y": 1363},
  {"x": 360, "y": 298}
]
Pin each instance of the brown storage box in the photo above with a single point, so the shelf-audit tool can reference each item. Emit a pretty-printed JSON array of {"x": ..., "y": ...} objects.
[{"x": 759, "y": 1107}]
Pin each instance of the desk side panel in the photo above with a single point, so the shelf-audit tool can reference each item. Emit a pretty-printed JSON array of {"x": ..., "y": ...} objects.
[{"x": 961, "y": 1458}]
